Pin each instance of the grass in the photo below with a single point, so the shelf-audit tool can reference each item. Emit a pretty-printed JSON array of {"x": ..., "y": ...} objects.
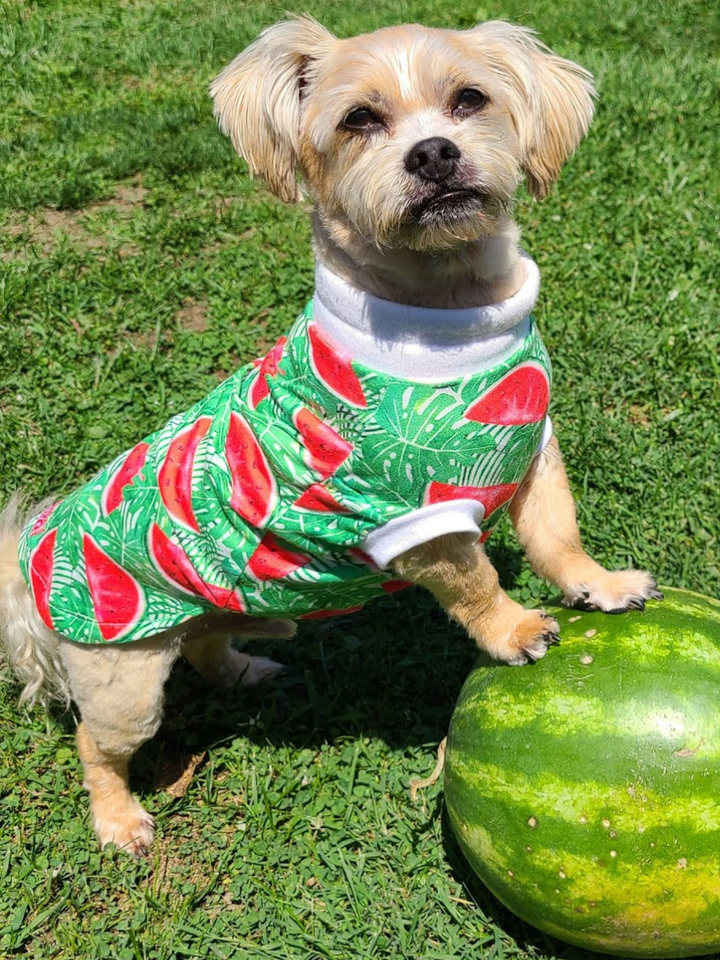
[{"x": 137, "y": 266}]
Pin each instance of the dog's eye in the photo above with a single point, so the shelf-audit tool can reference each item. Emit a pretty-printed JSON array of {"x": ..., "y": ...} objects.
[
  {"x": 360, "y": 119},
  {"x": 469, "y": 101}
]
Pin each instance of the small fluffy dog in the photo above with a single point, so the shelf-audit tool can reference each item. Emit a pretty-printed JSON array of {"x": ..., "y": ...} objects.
[{"x": 377, "y": 443}]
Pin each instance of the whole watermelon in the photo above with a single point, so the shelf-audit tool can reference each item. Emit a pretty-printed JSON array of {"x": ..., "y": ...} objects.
[{"x": 585, "y": 790}]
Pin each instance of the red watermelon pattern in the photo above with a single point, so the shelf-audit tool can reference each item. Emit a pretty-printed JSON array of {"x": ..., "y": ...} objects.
[
  {"x": 319, "y": 499},
  {"x": 492, "y": 497},
  {"x": 117, "y": 598},
  {"x": 175, "y": 565},
  {"x": 269, "y": 367},
  {"x": 41, "y": 575},
  {"x": 175, "y": 476},
  {"x": 272, "y": 559},
  {"x": 521, "y": 396},
  {"x": 325, "y": 450},
  {"x": 254, "y": 490},
  {"x": 334, "y": 370},
  {"x": 112, "y": 495}
]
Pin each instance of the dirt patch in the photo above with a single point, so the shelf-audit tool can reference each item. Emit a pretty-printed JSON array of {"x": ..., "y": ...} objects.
[
  {"x": 192, "y": 316},
  {"x": 639, "y": 415},
  {"x": 44, "y": 230}
]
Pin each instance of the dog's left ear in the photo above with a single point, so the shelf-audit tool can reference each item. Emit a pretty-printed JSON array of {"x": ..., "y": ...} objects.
[
  {"x": 257, "y": 99},
  {"x": 551, "y": 99}
]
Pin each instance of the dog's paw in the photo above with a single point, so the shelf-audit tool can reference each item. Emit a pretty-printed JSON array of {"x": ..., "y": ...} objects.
[
  {"x": 523, "y": 640},
  {"x": 613, "y": 591},
  {"x": 259, "y": 669},
  {"x": 131, "y": 828}
]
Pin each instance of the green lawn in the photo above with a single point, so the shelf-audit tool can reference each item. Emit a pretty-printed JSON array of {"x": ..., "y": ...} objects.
[{"x": 138, "y": 265}]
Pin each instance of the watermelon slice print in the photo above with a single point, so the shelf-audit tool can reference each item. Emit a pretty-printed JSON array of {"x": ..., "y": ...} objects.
[
  {"x": 272, "y": 559},
  {"x": 41, "y": 571},
  {"x": 117, "y": 598},
  {"x": 392, "y": 586},
  {"x": 254, "y": 490},
  {"x": 490, "y": 497},
  {"x": 41, "y": 520},
  {"x": 321, "y": 614},
  {"x": 269, "y": 366},
  {"x": 325, "y": 449},
  {"x": 112, "y": 495},
  {"x": 521, "y": 396},
  {"x": 334, "y": 370},
  {"x": 361, "y": 557},
  {"x": 176, "y": 473},
  {"x": 175, "y": 565},
  {"x": 319, "y": 499}
]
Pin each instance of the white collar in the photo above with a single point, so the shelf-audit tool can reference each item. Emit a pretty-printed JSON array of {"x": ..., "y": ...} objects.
[{"x": 421, "y": 343}]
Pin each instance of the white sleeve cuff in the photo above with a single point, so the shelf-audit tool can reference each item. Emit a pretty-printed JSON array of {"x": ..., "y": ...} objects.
[
  {"x": 427, "y": 523},
  {"x": 547, "y": 435}
]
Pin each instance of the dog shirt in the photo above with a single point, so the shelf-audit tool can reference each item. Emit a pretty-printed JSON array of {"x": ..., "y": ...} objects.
[{"x": 371, "y": 428}]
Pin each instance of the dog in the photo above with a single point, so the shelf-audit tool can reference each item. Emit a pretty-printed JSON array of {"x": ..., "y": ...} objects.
[{"x": 376, "y": 445}]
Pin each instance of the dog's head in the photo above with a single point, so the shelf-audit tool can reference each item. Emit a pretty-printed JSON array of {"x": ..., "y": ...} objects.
[{"x": 411, "y": 137}]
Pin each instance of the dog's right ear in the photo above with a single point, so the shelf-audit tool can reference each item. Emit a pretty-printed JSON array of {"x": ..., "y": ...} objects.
[{"x": 257, "y": 99}]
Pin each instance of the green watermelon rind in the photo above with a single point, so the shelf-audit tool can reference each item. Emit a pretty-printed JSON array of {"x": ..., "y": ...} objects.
[{"x": 618, "y": 849}]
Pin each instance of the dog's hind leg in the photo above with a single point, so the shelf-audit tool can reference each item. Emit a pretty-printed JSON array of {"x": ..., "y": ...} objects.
[
  {"x": 543, "y": 512},
  {"x": 208, "y": 647},
  {"x": 120, "y": 696}
]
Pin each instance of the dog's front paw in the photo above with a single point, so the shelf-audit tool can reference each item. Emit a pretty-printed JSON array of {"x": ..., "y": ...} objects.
[
  {"x": 130, "y": 828},
  {"x": 519, "y": 636},
  {"x": 613, "y": 591}
]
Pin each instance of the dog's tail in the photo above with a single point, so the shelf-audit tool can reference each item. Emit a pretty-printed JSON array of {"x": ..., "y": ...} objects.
[{"x": 27, "y": 645}]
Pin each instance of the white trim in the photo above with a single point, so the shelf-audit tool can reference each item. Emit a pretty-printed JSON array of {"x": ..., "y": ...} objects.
[
  {"x": 417, "y": 527},
  {"x": 418, "y": 343}
]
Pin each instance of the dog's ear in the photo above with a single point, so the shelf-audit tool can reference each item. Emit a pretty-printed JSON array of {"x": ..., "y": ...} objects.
[
  {"x": 551, "y": 98},
  {"x": 257, "y": 99}
]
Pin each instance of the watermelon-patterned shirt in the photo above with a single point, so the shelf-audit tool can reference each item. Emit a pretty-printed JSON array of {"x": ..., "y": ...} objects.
[{"x": 292, "y": 486}]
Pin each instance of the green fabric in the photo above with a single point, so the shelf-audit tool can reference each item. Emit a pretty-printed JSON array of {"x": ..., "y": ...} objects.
[{"x": 196, "y": 517}]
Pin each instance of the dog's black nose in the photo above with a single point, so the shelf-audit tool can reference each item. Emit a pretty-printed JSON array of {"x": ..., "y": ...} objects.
[{"x": 432, "y": 159}]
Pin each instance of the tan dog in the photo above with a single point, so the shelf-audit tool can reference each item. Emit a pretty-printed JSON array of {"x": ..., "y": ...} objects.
[{"x": 411, "y": 143}]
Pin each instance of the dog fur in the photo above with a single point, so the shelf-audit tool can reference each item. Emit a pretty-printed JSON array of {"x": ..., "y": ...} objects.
[{"x": 335, "y": 119}]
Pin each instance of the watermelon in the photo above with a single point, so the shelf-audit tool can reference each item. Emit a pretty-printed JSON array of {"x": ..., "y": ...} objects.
[
  {"x": 318, "y": 499},
  {"x": 585, "y": 790}
]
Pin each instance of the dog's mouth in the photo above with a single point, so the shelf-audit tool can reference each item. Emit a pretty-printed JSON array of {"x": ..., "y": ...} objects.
[{"x": 452, "y": 204}]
